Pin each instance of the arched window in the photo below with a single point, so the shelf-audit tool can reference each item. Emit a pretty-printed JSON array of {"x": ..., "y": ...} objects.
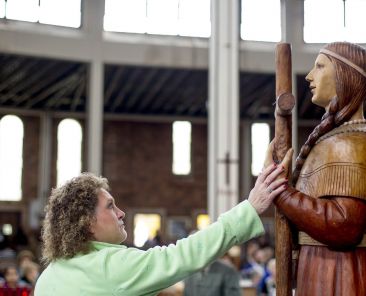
[
  {"x": 261, "y": 20},
  {"x": 164, "y": 17},
  {"x": 69, "y": 140},
  {"x": 260, "y": 142},
  {"x": 11, "y": 158},
  {"x": 181, "y": 147},
  {"x": 344, "y": 22},
  {"x": 65, "y": 13}
]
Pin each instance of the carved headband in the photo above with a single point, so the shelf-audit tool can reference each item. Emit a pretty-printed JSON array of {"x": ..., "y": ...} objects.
[{"x": 344, "y": 60}]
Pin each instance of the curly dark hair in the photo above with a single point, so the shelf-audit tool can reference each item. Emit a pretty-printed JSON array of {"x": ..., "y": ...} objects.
[
  {"x": 351, "y": 93},
  {"x": 69, "y": 214}
]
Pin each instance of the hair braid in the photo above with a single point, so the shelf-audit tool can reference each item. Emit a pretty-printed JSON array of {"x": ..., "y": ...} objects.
[
  {"x": 351, "y": 93},
  {"x": 326, "y": 125}
]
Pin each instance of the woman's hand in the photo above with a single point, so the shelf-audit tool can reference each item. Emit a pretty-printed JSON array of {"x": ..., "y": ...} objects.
[{"x": 269, "y": 185}]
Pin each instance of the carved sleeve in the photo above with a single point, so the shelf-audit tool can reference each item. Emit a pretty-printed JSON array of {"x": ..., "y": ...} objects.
[{"x": 335, "y": 221}]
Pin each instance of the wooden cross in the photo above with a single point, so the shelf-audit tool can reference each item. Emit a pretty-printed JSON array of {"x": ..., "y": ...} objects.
[{"x": 227, "y": 161}]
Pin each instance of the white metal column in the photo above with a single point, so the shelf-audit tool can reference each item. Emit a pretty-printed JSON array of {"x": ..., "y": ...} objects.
[
  {"x": 95, "y": 118},
  {"x": 223, "y": 112},
  {"x": 93, "y": 22}
]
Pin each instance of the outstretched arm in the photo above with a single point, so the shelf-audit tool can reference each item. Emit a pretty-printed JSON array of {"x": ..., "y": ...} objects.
[{"x": 336, "y": 221}]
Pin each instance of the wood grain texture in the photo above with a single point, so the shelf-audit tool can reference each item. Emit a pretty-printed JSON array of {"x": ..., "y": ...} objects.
[{"x": 283, "y": 139}]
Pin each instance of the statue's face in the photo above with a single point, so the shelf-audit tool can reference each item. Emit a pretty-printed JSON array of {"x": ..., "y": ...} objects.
[{"x": 322, "y": 81}]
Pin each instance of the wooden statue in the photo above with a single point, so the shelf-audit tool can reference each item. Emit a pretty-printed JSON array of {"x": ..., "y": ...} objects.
[{"x": 328, "y": 201}]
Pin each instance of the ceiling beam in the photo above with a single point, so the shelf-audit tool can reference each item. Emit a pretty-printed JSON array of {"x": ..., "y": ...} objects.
[
  {"x": 155, "y": 90},
  {"x": 126, "y": 86},
  {"x": 116, "y": 79},
  {"x": 36, "y": 76},
  {"x": 52, "y": 77},
  {"x": 145, "y": 83}
]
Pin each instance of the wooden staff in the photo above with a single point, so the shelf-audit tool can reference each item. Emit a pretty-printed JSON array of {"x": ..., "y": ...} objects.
[{"x": 285, "y": 102}]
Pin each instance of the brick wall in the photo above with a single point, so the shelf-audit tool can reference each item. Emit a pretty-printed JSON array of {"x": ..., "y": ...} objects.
[
  {"x": 137, "y": 160},
  {"x": 30, "y": 157}
]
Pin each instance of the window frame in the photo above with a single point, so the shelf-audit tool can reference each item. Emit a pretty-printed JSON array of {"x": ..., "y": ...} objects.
[
  {"x": 145, "y": 31},
  {"x": 45, "y": 24}
]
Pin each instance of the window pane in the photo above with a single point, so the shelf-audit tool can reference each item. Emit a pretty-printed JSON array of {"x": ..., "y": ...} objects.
[
  {"x": 146, "y": 227},
  {"x": 194, "y": 18},
  {"x": 181, "y": 147},
  {"x": 125, "y": 16},
  {"x": 203, "y": 220},
  {"x": 323, "y": 21},
  {"x": 63, "y": 13},
  {"x": 23, "y": 10},
  {"x": 267, "y": 27},
  {"x": 162, "y": 17},
  {"x": 69, "y": 139},
  {"x": 11, "y": 158},
  {"x": 2, "y": 8},
  {"x": 7, "y": 229},
  {"x": 165, "y": 17},
  {"x": 260, "y": 142},
  {"x": 356, "y": 21}
]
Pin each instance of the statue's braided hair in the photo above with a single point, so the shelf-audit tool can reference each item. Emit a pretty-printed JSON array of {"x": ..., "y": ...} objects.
[{"x": 351, "y": 93}]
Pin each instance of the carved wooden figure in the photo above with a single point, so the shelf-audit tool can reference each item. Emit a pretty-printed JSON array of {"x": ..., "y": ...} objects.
[{"x": 328, "y": 201}]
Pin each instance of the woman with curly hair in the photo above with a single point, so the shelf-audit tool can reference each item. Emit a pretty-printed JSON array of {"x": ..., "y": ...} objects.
[
  {"x": 328, "y": 203},
  {"x": 83, "y": 230}
]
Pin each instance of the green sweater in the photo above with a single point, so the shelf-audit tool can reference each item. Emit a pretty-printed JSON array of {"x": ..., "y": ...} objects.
[{"x": 118, "y": 270}]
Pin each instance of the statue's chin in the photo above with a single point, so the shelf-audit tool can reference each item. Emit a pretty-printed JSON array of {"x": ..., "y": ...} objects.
[{"x": 316, "y": 102}]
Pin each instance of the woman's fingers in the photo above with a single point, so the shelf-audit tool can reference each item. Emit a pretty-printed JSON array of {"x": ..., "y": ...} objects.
[
  {"x": 270, "y": 183},
  {"x": 277, "y": 183},
  {"x": 273, "y": 175},
  {"x": 278, "y": 191},
  {"x": 264, "y": 174}
]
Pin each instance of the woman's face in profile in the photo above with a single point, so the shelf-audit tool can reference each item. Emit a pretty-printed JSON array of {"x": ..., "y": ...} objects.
[{"x": 322, "y": 81}]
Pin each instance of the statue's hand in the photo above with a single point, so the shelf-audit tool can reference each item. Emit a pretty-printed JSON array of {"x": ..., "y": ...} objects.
[
  {"x": 269, "y": 155},
  {"x": 286, "y": 164}
]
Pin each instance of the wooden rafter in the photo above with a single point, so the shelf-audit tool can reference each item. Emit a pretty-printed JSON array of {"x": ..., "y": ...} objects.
[
  {"x": 45, "y": 94},
  {"x": 155, "y": 90},
  {"x": 79, "y": 91},
  {"x": 169, "y": 91},
  {"x": 115, "y": 81},
  {"x": 145, "y": 83},
  {"x": 127, "y": 87},
  {"x": 24, "y": 85},
  {"x": 43, "y": 84}
]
